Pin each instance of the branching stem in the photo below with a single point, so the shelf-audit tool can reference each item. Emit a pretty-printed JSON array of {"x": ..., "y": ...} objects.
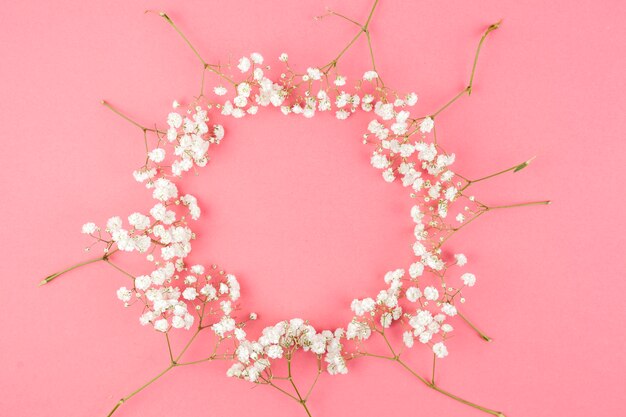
[
  {"x": 205, "y": 65},
  {"x": 467, "y": 90},
  {"x": 431, "y": 384},
  {"x": 78, "y": 265}
]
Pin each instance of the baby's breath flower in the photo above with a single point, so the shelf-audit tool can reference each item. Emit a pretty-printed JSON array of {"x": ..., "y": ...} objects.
[
  {"x": 89, "y": 228},
  {"x": 244, "y": 64},
  {"x": 440, "y": 350},
  {"x": 468, "y": 279}
]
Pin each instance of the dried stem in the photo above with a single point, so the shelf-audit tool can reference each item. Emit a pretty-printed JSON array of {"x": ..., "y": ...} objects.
[
  {"x": 432, "y": 378},
  {"x": 169, "y": 347},
  {"x": 174, "y": 362},
  {"x": 476, "y": 329},
  {"x": 205, "y": 65},
  {"x": 317, "y": 376},
  {"x": 467, "y": 90},
  {"x": 125, "y": 117},
  {"x": 530, "y": 203},
  {"x": 431, "y": 384},
  {"x": 138, "y": 390},
  {"x": 128, "y": 274},
  {"x": 514, "y": 168},
  {"x": 480, "y": 45},
  {"x": 104, "y": 257},
  {"x": 363, "y": 29}
]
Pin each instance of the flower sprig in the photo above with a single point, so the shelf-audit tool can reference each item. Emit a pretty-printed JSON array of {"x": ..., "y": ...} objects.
[{"x": 419, "y": 301}]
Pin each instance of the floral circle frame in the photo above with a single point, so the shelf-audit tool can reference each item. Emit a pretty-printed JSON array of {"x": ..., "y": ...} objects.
[{"x": 419, "y": 299}]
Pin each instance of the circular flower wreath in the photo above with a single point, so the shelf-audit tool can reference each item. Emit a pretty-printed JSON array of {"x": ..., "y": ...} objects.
[{"x": 417, "y": 300}]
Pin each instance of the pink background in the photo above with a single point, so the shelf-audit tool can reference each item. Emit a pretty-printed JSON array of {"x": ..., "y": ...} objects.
[{"x": 293, "y": 208}]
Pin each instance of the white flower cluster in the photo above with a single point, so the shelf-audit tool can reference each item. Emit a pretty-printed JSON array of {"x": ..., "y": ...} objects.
[
  {"x": 257, "y": 90},
  {"x": 190, "y": 136},
  {"x": 254, "y": 357},
  {"x": 171, "y": 293},
  {"x": 387, "y": 308}
]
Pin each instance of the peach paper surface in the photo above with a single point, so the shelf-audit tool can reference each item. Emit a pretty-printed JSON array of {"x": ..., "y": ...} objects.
[{"x": 294, "y": 209}]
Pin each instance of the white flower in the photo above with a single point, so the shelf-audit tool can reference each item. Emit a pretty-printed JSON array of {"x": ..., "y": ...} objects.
[
  {"x": 416, "y": 214},
  {"x": 244, "y": 89},
  {"x": 361, "y": 307},
  {"x": 427, "y": 125},
  {"x": 209, "y": 292},
  {"x": 407, "y": 338},
  {"x": 384, "y": 110},
  {"x": 370, "y": 75},
  {"x": 275, "y": 352},
  {"x": 190, "y": 293},
  {"x": 139, "y": 221},
  {"x": 419, "y": 249},
  {"x": 446, "y": 328},
  {"x": 386, "y": 319},
  {"x": 240, "y": 101},
  {"x": 468, "y": 279},
  {"x": 144, "y": 174},
  {"x": 161, "y": 325},
  {"x": 178, "y": 322},
  {"x": 157, "y": 155},
  {"x": 89, "y": 228},
  {"x": 314, "y": 73},
  {"x": 174, "y": 120},
  {"x": 379, "y": 161},
  {"x": 340, "y": 81},
  {"x": 413, "y": 294},
  {"x": 411, "y": 99},
  {"x": 460, "y": 259},
  {"x": 257, "y": 58},
  {"x": 431, "y": 293},
  {"x": 358, "y": 330},
  {"x": 342, "y": 114},
  {"x": 448, "y": 309},
  {"x": 162, "y": 214},
  {"x": 164, "y": 190},
  {"x": 416, "y": 269},
  {"x": 143, "y": 282},
  {"x": 220, "y": 91},
  {"x": 440, "y": 350},
  {"x": 283, "y": 57},
  {"x": 388, "y": 175},
  {"x": 244, "y": 64},
  {"x": 124, "y": 294},
  {"x": 114, "y": 224}
]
